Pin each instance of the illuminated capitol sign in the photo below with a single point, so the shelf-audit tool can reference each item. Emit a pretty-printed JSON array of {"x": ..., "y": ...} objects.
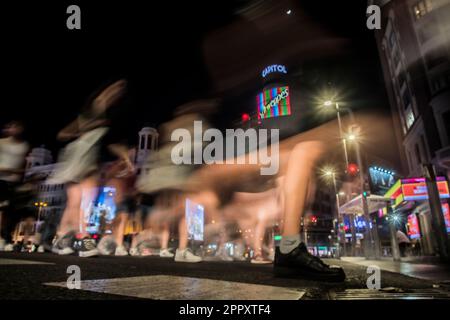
[{"x": 273, "y": 68}]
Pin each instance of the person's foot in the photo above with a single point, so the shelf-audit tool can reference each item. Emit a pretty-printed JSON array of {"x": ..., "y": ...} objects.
[
  {"x": 64, "y": 245},
  {"x": 299, "y": 263},
  {"x": 259, "y": 259},
  {"x": 9, "y": 247},
  {"x": 134, "y": 252},
  {"x": 87, "y": 248},
  {"x": 186, "y": 255},
  {"x": 41, "y": 249},
  {"x": 165, "y": 253},
  {"x": 121, "y": 251},
  {"x": 106, "y": 246}
]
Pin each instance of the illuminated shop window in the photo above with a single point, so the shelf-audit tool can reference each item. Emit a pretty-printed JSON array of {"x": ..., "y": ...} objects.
[
  {"x": 421, "y": 8},
  {"x": 392, "y": 39}
]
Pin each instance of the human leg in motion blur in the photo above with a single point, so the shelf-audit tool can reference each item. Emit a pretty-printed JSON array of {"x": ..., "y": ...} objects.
[{"x": 78, "y": 166}]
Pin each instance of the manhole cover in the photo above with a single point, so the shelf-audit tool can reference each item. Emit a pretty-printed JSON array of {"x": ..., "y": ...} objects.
[{"x": 367, "y": 294}]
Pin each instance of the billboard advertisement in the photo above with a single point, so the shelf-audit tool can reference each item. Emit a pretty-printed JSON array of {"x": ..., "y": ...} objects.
[
  {"x": 416, "y": 189},
  {"x": 381, "y": 180},
  {"x": 194, "y": 220},
  {"x": 273, "y": 102},
  {"x": 445, "y": 210},
  {"x": 100, "y": 213},
  {"x": 413, "y": 227}
]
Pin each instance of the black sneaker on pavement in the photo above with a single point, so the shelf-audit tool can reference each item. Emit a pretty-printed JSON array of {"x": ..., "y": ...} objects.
[{"x": 299, "y": 263}]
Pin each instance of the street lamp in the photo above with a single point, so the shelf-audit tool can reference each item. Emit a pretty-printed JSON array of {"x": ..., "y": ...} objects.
[
  {"x": 351, "y": 137},
  {"x": 40, "y": 205}
]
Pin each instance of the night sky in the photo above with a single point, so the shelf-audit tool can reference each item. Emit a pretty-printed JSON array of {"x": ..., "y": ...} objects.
[{"x": 48, "y": 71}]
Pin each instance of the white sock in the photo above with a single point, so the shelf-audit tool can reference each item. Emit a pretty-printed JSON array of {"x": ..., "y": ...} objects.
[{"x": 289, "y": 243}]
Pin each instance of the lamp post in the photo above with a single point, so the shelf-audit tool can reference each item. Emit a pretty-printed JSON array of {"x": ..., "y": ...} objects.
[
  {"x": 40, "y": 205},
  {"x": 332, "y": 174},
  {"x": 329, "y": 103},
  {"x": 351, "y": 137}
]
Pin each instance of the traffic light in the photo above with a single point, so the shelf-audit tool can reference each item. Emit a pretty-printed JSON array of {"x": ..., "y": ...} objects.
[
  {"x": 365, "y": 194},
  {"x": 245, "y": 117},
  {"x": 352, "y": 169}
]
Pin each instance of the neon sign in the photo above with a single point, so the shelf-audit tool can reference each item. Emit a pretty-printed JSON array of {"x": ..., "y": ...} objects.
[
  {"x": 274, "y": 68},
  {"x": 273, "y": 103}
]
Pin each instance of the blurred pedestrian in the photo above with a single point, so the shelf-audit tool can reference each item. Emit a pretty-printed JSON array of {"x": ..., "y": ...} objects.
[
  {"x": 78, "y": 168},
  {"x": 13, "y": 149}
]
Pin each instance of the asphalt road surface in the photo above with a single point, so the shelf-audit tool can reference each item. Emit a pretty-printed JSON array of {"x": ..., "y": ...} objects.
[{"x": 44, "y": 276}]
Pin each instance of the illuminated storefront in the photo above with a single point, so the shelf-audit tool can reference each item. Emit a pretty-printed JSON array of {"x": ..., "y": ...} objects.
[{"x": 409, "y": 198}]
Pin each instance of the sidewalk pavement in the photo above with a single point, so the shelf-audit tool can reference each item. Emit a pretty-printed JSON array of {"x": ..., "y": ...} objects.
[{"x": 422, "y": 270}]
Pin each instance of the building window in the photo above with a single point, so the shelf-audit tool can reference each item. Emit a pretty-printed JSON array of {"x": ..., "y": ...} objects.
[
  {"x": 401, "y": 79},
  {"x": 406, "y": 99},
  {"x": 396, "y": 58},
  {"x": 421, "y": 8},
  {"x": 392, "y": 39},
  {"x": 418, "y": 156},
  {"x": 410, "y": 162},
  {"x": 446, "y": 118}
]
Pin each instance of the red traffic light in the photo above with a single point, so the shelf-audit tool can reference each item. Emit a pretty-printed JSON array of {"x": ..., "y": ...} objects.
[
  {"x": 352, "y": 169},
  {"x": 245, "y": 117}
]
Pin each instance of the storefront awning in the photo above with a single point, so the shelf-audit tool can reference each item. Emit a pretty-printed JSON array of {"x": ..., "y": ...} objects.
[{"x": 355, "y": 206}]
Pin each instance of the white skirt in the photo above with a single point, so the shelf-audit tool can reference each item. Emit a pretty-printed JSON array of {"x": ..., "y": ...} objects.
[{"x": 78, "y": 159}]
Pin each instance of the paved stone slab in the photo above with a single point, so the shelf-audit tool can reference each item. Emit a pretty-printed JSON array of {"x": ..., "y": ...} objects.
[{"x": 165, "y": 287}]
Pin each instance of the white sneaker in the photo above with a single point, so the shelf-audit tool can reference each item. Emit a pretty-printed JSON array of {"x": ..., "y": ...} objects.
[
  {"x": 134, "y": 252},
  {"x": 186, "y": 255},
  {"x": 121, "y": 251},
  {"x": 106, "y": 246},
  {"x": 165, "y": 253},
  {"x": 9, "y": 247},
  {"x": 41, "y": 249}
]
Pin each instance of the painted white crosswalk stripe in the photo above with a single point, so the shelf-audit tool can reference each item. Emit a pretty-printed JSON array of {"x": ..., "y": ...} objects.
[
  {"x": 166, "y": 287},
  {"x": 18, "y": 262}
]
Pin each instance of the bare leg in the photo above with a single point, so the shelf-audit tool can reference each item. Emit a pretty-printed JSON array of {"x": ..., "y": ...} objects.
[
  {"x": 88, "y": 194},
  {"x": 121, "y": 218},
  {"x": 164, "y": 236},
  {"x": 182, "y": 234},
  {"x": 258, "y": 237},
  {"x": 70, "y": 217},
  {"x": 295, "y": 188},
  {"x": 119, "y": 227}
]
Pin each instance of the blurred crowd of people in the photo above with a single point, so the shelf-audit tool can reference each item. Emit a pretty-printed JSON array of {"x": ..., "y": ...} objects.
[
  {"x": 146, "y": 208},
  {"x": 239, "y": 203}
]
